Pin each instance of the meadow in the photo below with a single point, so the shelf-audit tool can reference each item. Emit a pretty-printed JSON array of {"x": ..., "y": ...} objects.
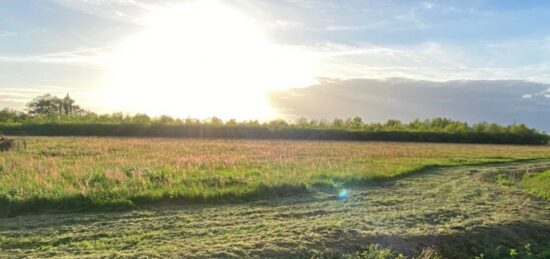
[
  {"x": 77, "y": 173},
  {"x": 448, "y": 212}
]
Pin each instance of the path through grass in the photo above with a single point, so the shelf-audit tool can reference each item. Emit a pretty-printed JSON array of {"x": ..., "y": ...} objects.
[{"x": 458, "y": 211}]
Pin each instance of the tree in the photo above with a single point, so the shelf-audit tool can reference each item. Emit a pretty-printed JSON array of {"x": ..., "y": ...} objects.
[
  {"x": 393, "y": 124},
  {"x": 278, "y": 123},
  {"x": 67, "y": 105},
  {"x": 9, "y": 115},
  {"x": 48, "y": 105},
  {"x": 355, "y": 123},
  {"x": 232, "y": 122},
  {"x": 165, "y": 119},
  {"x": 44, "y": 105},
  {"x": 337, "y": 123},
  {"x": 214, "y": 121},
  {"x": 302, "y": 123},
  {"x": 141, "y": 118}
]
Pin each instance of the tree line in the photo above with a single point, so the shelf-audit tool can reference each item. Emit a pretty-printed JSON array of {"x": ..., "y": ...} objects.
[{"x": 50, "y": 115}]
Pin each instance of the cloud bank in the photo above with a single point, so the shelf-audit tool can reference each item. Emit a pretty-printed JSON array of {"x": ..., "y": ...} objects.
[{"x": 501, "y": 101}]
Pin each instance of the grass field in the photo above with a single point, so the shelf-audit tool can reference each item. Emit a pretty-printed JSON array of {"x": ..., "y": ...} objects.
[
  {"x": 452, "y": 212},
  {"x": 81, "y": 173}
]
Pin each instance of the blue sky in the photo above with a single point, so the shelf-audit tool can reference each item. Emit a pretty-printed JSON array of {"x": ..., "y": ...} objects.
[{"x": 61, "y": 46}]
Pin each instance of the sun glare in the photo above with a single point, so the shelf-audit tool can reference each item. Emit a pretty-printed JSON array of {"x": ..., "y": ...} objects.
[{"x": 203, "y": 59}]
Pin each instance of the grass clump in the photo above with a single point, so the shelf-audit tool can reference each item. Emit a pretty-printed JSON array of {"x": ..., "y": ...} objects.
[
  {"x": 534, "y": 183},
  {"x": 537, "y": 183}
]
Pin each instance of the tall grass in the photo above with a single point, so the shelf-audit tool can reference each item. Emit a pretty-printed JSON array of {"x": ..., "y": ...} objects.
[{"x": 71, "y": 173}]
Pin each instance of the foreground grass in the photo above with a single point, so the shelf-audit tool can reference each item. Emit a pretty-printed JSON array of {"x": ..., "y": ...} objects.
[
  {"x": 537, "y": 183},
  {"x": 457, "y": 212},
  {"x": 64, "y": 173}
]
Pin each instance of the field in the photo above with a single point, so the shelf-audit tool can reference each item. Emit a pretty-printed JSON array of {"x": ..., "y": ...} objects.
[
  {"x": 163, "y": 197},
  {"x": 78, "y": 173}
]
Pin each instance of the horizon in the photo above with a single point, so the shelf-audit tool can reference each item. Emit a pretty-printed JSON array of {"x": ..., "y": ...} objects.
[{"x": 470, "y": 61}]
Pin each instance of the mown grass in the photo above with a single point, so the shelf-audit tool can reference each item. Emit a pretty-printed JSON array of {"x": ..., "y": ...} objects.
[
  {"x": 63, "y": 173},
  {"x": 452, "y": 212}
]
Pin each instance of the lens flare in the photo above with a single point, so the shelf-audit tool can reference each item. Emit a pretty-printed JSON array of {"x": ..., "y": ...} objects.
[{"x": 343, "y": 194}]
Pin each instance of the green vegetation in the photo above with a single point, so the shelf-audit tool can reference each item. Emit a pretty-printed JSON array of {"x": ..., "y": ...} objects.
[
  {"x": 537, "y": 183},
  {"x": 82, "y": 173},
  {"x": 52, "y": 116},
  {"x": 450, "y": 212},
  {"x": 524, "y": 252},
  {"x": 221, "y": 197}
]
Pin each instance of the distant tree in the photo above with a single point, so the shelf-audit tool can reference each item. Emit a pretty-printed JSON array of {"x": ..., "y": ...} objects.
[
  {"x": 165, "y": 119},
  {"x": 520, "y": 129},
  {"x": 117, "y": 117},
  {"x": 480, "y": 127},
  {"x": 251, "y": 123},
  {"x": 9, "y": 115},
  {"x": 323, "y": 124},
  {"x": 67, "y": 105},
  {"x": 278, "y": 123},
  {"x": 191, "y": 121},
  {"x": 439, "y": 123},
  {"x": 48, "y": 105},
  {"x": 141, "y": 118},
  {"x": 232, "y": 122},
  {"x": 44, "y": 105},
  {"x": 393, "y": 124},
  {"x": 355, "y": 123},
  {"x": 302, "y": 123},
  {"x": 314, "y": 124},
  {"x": 337, "y": 123},
  {"x": 215, "y": 121}
]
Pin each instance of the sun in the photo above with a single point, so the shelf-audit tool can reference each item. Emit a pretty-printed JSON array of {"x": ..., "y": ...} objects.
[{"x": 203, "y": 59}]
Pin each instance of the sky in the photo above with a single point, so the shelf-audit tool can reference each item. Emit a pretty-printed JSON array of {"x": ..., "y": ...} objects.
[{"x": 265, "y": 59}]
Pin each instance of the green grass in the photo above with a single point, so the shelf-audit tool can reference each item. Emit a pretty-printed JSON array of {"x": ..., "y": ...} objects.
[
  {"x": 451, "y": 212},
  {"x": 537, "y": 183},
  {"x": 63, "y": 173}
]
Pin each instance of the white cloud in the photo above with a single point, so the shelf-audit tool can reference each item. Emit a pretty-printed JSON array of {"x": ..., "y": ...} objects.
[
  {"x": 286, "y": 25},
  {"x": 128, "y": 11},
  {"x": 428, "y": 5},
  {"x": 86, "y": 56},
  {"x": 7, "y": 34},
  {"x": 428, "y": 61}
]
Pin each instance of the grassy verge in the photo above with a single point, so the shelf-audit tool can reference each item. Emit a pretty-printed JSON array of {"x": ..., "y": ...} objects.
[
  {"x": 64, "y": 173},
  {"x": 538, "y": 184}
]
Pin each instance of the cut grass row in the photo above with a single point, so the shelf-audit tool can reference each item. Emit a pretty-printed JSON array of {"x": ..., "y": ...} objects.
[{"x": 65, "y": 173}]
